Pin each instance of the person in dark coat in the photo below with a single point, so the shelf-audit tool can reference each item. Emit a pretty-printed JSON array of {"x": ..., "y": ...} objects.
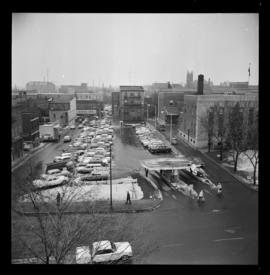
[
  {"x": 128, "y": 198},
  {"x": 58, "y": 199}
]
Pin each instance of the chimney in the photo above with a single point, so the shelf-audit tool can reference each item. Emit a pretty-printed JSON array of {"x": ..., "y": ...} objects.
[{"x": 200, "y": 84}]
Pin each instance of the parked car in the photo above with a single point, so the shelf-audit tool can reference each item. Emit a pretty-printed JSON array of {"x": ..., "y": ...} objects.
[
  {"x": 67, "y": 138},
  {"x": 104, "y": 252},
  {"x": 174, "y": 141},
  {"x": 72, "y": 127},
  {"x": 51, "y": 180}
]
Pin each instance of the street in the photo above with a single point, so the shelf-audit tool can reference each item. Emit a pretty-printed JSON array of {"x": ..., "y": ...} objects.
[{"x": 220, "y": 231}]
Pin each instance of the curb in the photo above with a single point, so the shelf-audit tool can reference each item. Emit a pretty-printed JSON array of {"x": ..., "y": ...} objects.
[
  {"x": 154, "y": 186},
  {"x": 221, "y": 166},
  {"x": 131, "y": 211},
  {"x": 229, "y": 172}
]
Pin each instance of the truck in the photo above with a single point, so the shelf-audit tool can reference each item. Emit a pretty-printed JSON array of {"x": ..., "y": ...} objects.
[
  {"x": 104, "y": 252},
  {"x": 49, "y": 132}
]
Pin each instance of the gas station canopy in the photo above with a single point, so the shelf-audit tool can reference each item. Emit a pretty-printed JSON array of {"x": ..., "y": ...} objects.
[{"x": 165, "y": 163}]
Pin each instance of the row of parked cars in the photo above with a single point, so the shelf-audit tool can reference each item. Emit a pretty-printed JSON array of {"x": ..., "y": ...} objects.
[
  {"x": 149, "y": 140},
  {"x": 88, "y": 154}
]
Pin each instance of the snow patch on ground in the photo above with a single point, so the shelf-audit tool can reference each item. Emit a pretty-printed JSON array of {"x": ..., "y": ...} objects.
[
  {"x": 244, "y": 163},
  {"x": 94, "y": 192}
]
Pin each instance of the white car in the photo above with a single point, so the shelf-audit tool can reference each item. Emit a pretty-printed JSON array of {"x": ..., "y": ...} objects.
[
  {"x": 51, "y": 180},
  {"x": 72, "y": 127},
  {"x": 104, "y": 252},
  {"x": 67, "y": 138}
]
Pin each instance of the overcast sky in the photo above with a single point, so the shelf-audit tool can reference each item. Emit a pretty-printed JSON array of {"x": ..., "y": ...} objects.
[{"x": 135, "y": 49}]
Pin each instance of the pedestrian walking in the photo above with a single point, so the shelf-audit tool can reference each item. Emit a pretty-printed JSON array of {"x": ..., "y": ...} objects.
[
  {"x": 128, "y": 201},
  {"x": 58, "y": 199}
]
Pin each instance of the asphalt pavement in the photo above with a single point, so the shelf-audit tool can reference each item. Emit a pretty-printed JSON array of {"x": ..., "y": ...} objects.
[{"x": 220, "y": 231}]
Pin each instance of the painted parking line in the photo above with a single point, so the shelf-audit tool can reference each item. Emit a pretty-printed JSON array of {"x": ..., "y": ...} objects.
[
  {"x": 172, "y": 245},
  {"x": 229, "y": 239}
]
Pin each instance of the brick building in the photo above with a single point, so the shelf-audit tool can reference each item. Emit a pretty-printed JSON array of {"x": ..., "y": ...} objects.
[{"x": 197, "y": 107}]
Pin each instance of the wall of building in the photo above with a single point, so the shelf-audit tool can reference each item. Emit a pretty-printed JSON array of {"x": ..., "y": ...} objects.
[
  {"x": 196, "y": 108},
  {"x": 41, "y": 87},
  {"x": 132, "y": 103},
  {"x": 60, "y": 116},
  {"x": 72, "y": 111},
  {"x": 115, "y": 104}
]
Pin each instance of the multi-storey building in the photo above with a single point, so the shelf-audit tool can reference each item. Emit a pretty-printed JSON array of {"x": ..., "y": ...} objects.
[
  {"x": 30, "y": 127},
  {"x": 116, "y": 104},
  {"x": 62, "y": 110},
  {"x": 197, "y": 108},
  {"x": 73, "y": 89},
  {"x": 89, "y": 104},
  {"x": 170, "y": 104},
  {"x": 41, "y": 86},
  {"x": 132, "y": 103}
]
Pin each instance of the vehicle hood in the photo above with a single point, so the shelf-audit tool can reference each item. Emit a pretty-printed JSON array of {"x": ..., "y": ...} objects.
[{"x": 123, "y": 247}]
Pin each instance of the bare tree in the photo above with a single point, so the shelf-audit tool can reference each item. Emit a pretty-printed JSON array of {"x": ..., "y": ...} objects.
[
  {"x": 207, "y": 123},
  {"x": 50, "y": 224},
  {"x": 252, "y": 148},
  {"x": 237, "y": 133}
]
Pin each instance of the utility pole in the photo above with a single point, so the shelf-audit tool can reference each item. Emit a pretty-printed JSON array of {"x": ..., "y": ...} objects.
[
  {"x": 111, "y": 177},
  {"x": 171, "y": 130},
  {"x": 147, "y": 113},
  {"x": 155, "y": 117}
]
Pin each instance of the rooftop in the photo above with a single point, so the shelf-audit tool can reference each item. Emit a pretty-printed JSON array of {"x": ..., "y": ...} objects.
[
  {"x": 165, "y": 163},
  {"x": 171, "y": 110},
  {"x": 132, "y": 88}
]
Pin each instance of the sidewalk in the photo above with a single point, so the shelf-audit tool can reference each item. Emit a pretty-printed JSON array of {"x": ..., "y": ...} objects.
[
  {"x": 240, "y": 179},
  {"x": 99, "y": 207},
  {"x": 232, "y": 173},
  {"x": 18, "y": 162}
]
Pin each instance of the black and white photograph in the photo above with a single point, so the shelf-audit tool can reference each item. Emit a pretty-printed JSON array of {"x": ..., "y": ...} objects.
[{"x": 134, "y": 138}]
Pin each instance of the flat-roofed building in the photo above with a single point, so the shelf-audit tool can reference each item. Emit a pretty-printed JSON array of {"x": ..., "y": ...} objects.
[
  {"x": 132, "y": 103},
  {"x": 41, "y": 86},
  {"x": 89, "y": 104},
  {"x": 197, "y": 107},
  {"x": 116, "y": 104},
  {"x": 62, "y": 110}
]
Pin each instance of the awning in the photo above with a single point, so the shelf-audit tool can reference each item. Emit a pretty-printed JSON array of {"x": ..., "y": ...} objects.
[{"x": 165, "y": 163}]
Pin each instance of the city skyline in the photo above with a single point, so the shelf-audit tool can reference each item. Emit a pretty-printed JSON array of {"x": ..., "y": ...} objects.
[{"x": 133, "y": 49}]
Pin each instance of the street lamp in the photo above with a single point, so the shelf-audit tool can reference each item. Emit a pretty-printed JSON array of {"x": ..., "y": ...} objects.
[
  {"x": 111, "y": 176},
  {"x": 171, "y": 130},
  {"x": 148, "y": 105},
  {"x": 162, "y": 112},
  {"x": 155, "y": 118}
]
